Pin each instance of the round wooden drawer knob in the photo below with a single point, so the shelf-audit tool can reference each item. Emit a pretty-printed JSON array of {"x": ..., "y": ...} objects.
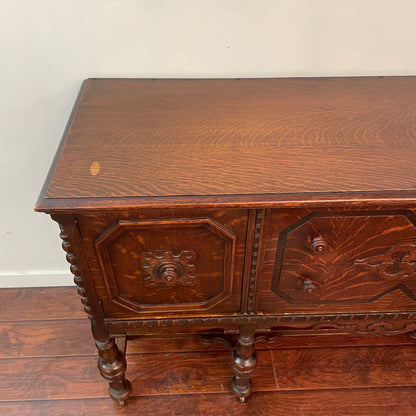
[
  {"x": 308, "y": 287},
  {"x": 169, "y": 272},
  {"x": 319, "y": 245}
]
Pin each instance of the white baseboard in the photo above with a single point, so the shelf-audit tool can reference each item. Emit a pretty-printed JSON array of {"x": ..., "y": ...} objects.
[{"x": 37, "y": 279}]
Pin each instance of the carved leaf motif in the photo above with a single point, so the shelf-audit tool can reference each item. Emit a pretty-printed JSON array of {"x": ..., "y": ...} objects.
[
  {"x": 398, "y": 262},
  {"x": 167, "y": 268}
]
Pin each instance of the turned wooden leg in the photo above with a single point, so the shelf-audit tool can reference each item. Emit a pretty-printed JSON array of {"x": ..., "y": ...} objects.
[
  {"x": 244, "y": 360},
  {"x": 112, "y": 366}
]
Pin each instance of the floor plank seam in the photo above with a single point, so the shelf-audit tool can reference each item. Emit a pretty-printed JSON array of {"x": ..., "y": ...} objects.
[
  {"x": 18, "y": 321},
  {"x": 197, "y": 351},
  {"x": 224, "y": 393}
]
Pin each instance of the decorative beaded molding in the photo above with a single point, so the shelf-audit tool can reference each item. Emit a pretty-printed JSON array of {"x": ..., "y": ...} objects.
[
  {"x": 66, "y": 245},
  {"x": 254, "y": 261},
  {"x": 374, "y": 323}
]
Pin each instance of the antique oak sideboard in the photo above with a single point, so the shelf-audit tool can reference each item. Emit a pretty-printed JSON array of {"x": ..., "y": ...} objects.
[{"x": 238, "y": 208}]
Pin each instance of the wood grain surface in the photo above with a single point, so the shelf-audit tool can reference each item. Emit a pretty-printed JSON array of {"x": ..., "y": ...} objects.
[
  {"x": 45, "y": 373},
  {"x": 197, "y": 372},
  {"x": 366, "y": 265},
  {"x": 320, "y": 149},
  {"x": 348, "y": 402},
  {"x": 26, "y": 304},
  {"x": 114, "y": 261},
  {"x": 194, "y": 138}
]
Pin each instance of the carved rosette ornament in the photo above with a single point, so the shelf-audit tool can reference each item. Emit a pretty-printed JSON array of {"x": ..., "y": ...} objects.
[{"x": 168, "y": 268}]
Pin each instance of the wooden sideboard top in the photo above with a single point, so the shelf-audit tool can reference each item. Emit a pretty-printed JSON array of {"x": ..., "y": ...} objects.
[{"x": 142, "y": 142}]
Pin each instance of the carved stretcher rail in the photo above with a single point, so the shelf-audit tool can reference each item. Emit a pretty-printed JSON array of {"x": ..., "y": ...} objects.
[{"x": 372, "y": 323}]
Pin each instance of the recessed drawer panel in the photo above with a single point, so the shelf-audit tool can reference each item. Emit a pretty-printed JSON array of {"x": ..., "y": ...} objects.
[
  {"x": 186, "y": 264},
  {"x": 326, "y": 260},
  {"x": 345, "y": 239}
]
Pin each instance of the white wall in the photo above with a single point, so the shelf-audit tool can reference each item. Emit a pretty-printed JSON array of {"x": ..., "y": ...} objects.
[{"x": 47, "y": 47}]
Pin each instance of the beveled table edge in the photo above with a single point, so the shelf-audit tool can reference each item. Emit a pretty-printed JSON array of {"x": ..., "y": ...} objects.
[{"x": 380, "y": 198}]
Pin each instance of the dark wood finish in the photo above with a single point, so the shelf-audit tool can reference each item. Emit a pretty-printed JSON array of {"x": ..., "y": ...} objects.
[
  {"x": 244, "y": 361},
  {"x": 237, "y": 210},
  {"x": 293, "y": 135},
  {"x": 112, "y": 365},
  {"x": 216, "y": 282},
  {"x": 116, "y": 259},
  {"x": 368, "y": 259},
  {"x": 364, "y": 402},
  {"x": 23, "y": 304},
  {"x": 78, "y": 266},
  {"x": 45, "y": 337},
  {"x": 201, "y": 372},
  {"x": 316, "y": 199},
  {"x": 300, "y": 375}
]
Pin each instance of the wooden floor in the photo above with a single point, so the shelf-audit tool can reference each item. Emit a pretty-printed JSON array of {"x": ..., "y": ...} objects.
[{"x": 48, "y": 367}]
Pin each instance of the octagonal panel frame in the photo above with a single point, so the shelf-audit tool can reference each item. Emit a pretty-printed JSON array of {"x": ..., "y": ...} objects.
[
  {"x": 119, "y": 227},
  {"x": 281, "y": 245}
]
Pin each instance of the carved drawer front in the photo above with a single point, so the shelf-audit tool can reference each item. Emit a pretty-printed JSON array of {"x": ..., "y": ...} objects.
[
  {"x": 152, "y": 265},
  {"x": 359, "y": 259}
]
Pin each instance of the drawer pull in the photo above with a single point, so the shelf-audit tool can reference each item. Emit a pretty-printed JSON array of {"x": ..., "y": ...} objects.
[
  {"x": 169, "y": 272},
  {"x": 319, "y": 245},
  {"x": 308, "y": 287},
  {"x": 169, "y": 268}
]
